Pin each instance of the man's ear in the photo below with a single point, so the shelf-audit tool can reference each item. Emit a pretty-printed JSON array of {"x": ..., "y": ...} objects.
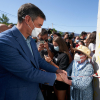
[{"x": 27, "y": 19}]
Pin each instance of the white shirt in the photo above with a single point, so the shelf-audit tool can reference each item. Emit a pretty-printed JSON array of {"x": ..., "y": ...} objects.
[{"x": 92, "y": 48}]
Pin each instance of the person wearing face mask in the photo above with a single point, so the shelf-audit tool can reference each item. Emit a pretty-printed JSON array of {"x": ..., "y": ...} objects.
[
  {"x": 50, "y": 39},
  {"x": 20, "y": 61},
  {"x": 35, "y": 39},
  {"x": 61, "y": 61},
  {"x": 80, "y": 72},
  {"x": 76, "y": 40}
]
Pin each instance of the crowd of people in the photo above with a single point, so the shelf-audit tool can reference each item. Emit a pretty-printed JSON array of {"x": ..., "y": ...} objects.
[
  {"x": 37, "y": 65},
  {"x": 73, "y": 54}
]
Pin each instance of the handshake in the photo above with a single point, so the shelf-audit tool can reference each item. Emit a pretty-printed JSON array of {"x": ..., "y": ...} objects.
[{"x": 61, "y": 75}]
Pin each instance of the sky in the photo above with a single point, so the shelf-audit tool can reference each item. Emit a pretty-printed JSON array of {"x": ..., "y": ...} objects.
[{"x": 63, "y": 15}]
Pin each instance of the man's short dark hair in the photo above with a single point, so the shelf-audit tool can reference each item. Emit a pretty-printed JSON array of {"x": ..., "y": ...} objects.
[
  {"x": 31, "y": 10},
  {"x": 66, "y": 33},
  {"x": 58, "y": 34},
  {"x": 72, "y": 34},
  {"x": 82, "y": 43},
  {"x": 43, "y": 32},
  {"x": 83, "y": 33}
]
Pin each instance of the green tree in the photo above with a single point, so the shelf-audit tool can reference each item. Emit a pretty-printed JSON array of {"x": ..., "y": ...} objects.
[
  {"x": 61, "y": 33},
  {"x": 4, "y": 19},
  {"x": 80, "y": 35},
  {"x": 53, "y": 30}
]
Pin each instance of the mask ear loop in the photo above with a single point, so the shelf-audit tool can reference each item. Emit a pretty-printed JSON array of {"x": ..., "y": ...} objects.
[
  {"x": 29, "y": 27},
  {"x": 27, "y": 24},
  {"x": 23, "y": 17},
  {"x": 33, "y": 23}
]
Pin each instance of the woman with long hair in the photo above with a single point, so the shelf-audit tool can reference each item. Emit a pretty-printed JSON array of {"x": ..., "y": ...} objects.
[
  {"x": 91, "y": 42},
  {"x": 61, "y": 61}
]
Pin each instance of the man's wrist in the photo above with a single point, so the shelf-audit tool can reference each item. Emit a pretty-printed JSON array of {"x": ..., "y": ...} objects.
[
  {"x": 58, "y": 77},
  {"x": 58, "y": 71}
]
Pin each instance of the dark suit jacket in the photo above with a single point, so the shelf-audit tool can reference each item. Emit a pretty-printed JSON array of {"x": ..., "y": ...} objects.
[{"x": 19, "y": 70}]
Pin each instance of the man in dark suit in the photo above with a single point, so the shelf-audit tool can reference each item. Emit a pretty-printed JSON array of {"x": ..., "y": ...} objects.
[{"x": 20, "y": 62}]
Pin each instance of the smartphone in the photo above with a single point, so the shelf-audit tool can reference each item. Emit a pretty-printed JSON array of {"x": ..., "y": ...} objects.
[
  {"x": 46, "y": 55},
  {"x": 42, "y": 41}
]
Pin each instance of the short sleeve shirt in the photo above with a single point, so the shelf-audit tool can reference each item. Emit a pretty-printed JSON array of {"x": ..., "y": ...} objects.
[{"x": 92, "y": 48}]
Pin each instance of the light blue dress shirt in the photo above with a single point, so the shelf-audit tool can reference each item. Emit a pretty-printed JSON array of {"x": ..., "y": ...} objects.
[{"x": 28, "y": 40}]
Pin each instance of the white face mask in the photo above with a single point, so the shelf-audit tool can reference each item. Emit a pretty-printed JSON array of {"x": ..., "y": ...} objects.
[
  {"x": 77, "y": 57},
  {"x": 35, "y": 31}
]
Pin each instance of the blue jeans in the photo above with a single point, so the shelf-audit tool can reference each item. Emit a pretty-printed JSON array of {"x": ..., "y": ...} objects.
[{"x": 40, "y": 96}]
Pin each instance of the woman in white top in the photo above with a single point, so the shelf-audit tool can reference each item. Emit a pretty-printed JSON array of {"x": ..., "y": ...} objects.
[{"x": 91, "y": 43}]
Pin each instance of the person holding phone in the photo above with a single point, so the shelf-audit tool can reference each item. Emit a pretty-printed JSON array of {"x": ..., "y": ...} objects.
[{"x": 45, "y": 47}]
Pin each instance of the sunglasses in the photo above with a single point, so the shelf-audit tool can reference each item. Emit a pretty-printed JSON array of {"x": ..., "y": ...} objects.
[
  {"x": 44, "y": 40},
  {"x": 78, "y": 52}
]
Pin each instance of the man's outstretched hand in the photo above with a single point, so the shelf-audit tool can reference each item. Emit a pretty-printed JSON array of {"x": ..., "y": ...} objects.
[
  {"x": 62, "y": 76},
  {"x": 61, "y": 71}
]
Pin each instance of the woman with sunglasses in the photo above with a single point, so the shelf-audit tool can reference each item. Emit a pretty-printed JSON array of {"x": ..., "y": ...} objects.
[{"x": 79, "y": 74}]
